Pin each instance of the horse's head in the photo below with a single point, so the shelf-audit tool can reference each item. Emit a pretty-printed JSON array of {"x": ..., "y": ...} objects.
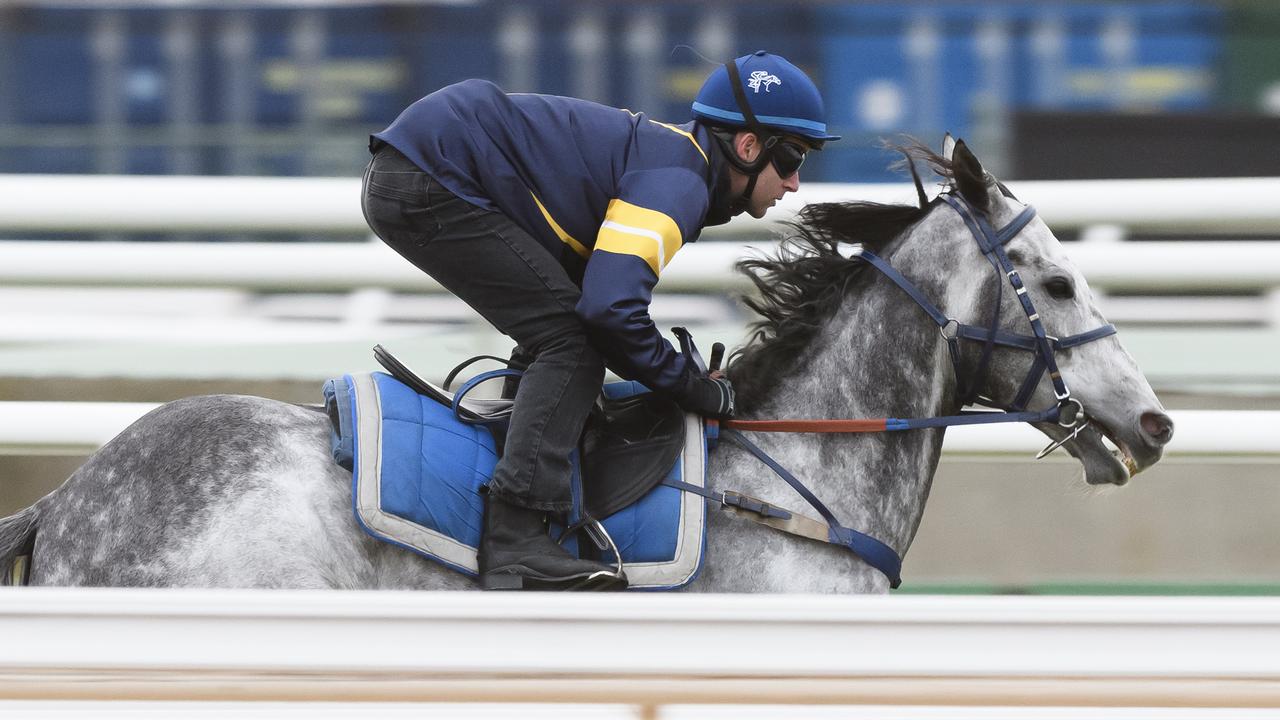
[
  {"x": 979, "y": 291},
  {"x": 976, "y": 259}
]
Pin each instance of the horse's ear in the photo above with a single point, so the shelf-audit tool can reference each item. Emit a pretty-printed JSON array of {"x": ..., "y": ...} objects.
[
  {"x": 948, "y": 146},
  {"x": 971, "y": 179}
]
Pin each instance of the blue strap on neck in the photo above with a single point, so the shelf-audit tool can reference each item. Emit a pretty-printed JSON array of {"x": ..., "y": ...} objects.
[{"x": 906, "y": 285}]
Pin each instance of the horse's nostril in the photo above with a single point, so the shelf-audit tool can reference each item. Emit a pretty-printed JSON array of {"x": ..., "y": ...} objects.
[{"x": 1158, "y": 427}]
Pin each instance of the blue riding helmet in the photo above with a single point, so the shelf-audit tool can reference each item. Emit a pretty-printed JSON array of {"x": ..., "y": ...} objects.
[{"x": 778, "y": 94}]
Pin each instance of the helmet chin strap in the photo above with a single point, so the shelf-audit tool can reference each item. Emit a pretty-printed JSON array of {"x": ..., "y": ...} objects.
[
  {"x": 751, "y": 169},
  {"x": 743, "y": 201},
  {"x": 766, "y": 139}
]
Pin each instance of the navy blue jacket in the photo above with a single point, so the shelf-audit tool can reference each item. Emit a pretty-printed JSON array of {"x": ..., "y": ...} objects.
[{"x": 593, "y": 184}]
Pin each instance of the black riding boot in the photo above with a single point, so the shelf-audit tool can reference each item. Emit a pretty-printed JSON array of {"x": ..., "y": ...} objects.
[{"x": 517, "y": 554}]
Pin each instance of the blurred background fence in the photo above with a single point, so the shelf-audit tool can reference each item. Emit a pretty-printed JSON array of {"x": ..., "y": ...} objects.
[{"x": 121, "y": 288}]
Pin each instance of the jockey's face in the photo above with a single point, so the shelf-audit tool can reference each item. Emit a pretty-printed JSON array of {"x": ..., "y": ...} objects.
[{"x": 770, "y": 187}]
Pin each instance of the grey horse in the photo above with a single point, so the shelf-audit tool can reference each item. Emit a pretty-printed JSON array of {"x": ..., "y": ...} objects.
[{"x": 237, "y": 491}]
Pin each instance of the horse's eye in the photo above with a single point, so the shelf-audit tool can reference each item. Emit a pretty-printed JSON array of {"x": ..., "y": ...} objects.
[{"x": 1060, "y": 288}]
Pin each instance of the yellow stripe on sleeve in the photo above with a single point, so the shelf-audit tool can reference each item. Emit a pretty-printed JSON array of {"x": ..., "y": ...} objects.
[
  {"x": 565, "y": 238},
  {"x": 632, "y": 230}
]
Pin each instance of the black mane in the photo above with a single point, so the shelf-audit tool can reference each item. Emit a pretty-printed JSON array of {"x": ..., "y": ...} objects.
[{"x": 804, "y": 284}]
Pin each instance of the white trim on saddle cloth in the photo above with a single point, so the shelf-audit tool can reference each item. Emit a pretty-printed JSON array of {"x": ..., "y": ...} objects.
[
  {"x": 367, "y": 405},
  {"x": 655, "y": 573}
]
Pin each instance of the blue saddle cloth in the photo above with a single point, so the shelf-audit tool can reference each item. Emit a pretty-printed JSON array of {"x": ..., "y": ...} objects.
[{"x": 417, "y": 471}]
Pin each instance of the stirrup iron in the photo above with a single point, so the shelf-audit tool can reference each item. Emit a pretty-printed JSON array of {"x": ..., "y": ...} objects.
[{"x": 599, "y": 537}]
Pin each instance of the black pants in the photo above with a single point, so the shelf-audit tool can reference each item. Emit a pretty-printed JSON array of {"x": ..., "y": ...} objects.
[{"x": 517, "y": 285}]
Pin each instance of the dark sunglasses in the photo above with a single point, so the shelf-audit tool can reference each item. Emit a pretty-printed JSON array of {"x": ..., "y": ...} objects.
[{"x": 787, "y": 157}]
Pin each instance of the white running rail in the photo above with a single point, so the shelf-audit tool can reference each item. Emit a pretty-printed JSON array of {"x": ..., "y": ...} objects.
[
  {"x": 700, "y": 267},
  {"x": 135, "y": 203},
  {"x": 649, "y": 650},
  {"x": 77, "y": 428},
  {"x": 305, "y": 710}
]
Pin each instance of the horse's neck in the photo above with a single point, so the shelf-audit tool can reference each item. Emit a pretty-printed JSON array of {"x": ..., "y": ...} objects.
[{"x": 880, "y": 357}]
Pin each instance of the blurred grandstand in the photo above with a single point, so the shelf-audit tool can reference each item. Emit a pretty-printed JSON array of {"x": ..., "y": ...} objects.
[{"x": 289, "y": 88}]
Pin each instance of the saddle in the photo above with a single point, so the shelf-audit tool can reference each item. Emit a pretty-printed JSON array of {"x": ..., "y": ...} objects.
[
  {"x": 419, "y": 456},
  {"x": 631, "y": 438}
]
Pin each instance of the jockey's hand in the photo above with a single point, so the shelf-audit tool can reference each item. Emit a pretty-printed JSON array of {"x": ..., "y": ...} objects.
[{"x": 708, "y": 396}]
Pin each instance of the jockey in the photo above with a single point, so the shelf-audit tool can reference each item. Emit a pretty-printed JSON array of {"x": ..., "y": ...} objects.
[{"x": 553, "y": 218}]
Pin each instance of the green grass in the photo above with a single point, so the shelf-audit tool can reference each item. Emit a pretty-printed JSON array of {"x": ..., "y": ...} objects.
[{"x": 1094, "y": 588}]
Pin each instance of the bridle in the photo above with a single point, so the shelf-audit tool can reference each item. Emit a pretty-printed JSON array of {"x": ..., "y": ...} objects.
[{"x": 1067, "y": 412}]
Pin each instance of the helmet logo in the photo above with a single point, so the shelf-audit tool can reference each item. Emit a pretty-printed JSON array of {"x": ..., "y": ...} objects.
[{"x": 762, "y": 77}]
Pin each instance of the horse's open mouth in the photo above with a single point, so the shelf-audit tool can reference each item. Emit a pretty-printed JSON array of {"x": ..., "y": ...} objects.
[
  {"x": 1107, "y": 459},
  {"x": 1119, "y": 450}
]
